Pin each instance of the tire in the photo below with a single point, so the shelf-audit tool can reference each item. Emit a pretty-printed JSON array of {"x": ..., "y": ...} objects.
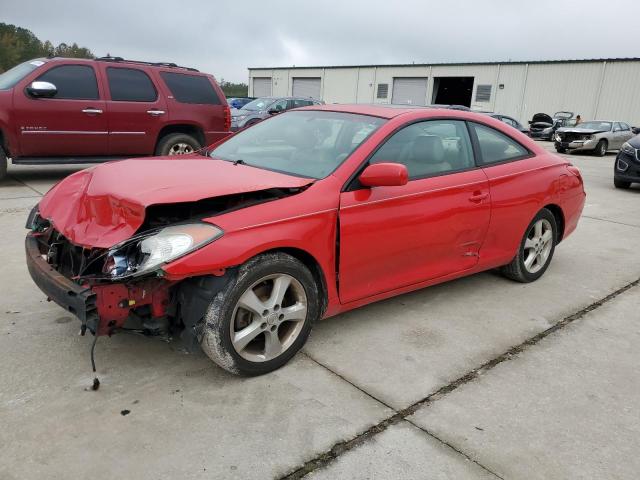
[
  {"x": 561, "y": 150},
  {"x": 522, "y": 269},
  {"x": 621, "y": 184},
  {"x": 601, "y": 148},
  {"x": 3, "y": 164},
  {"x": 273, "y": 340},
  {"x": 177, "y": 144},
  {"x": 252, "y": 122}
]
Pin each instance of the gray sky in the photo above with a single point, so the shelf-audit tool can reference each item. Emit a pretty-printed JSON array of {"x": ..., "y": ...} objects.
[{"x": 224, "y": 38}]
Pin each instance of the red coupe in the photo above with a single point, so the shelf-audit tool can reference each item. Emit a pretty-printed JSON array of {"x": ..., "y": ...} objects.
[{"x": 303, "y": 216}]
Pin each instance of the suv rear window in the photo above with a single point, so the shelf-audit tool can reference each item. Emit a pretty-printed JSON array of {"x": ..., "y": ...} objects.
[
  {"x": 190, "y": 88},
  {"x": 130, "y": 85},
  {"x": 74, "y": 82}
]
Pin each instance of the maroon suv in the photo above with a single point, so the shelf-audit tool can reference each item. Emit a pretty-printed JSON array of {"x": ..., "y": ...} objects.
[{"x": 62, "y": 110}]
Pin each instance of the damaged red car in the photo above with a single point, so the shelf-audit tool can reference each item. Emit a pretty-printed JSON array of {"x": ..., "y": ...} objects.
[{"x": 301, "y": 217}]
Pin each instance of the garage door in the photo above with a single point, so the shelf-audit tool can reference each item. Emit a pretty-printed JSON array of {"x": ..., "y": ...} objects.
[
  {"x": 409, "y": 91},
  {"x": 262, "y": 86},
  {"x": 306, "y": 87}
]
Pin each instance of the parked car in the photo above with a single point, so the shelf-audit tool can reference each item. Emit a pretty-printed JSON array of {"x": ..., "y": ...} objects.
[
  {"x": 61, "y": 110},
  {"x": 627, "y": 165},
  {"x": 543, "y": 126},
  {"x": 263, "y": 107},
  {"x": 239, "y": 102},
  {"x": 596, "y": 136},
  {"x": 243, "y": 252},
  {"x": 509, "y": 121},
  {"x": 451, "y": 107}
]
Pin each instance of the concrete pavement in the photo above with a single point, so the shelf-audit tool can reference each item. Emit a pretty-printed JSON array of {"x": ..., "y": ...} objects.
[{"x": 359, "y": 402}]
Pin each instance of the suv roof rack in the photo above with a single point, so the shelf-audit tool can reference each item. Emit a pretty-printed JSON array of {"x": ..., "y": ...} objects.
[{"x": 109, "y": 58}]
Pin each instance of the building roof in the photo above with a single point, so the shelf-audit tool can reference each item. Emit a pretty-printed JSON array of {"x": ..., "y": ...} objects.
[{"x": 455, "y": 64}]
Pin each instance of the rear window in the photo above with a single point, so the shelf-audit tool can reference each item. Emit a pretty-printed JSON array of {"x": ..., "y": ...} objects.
[
  {"x": 130, "y": 85},
  {"x": 190, "y": 88}
]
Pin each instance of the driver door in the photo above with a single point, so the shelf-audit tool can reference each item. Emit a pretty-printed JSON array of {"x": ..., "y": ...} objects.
[{"x": 391, "y": 237}]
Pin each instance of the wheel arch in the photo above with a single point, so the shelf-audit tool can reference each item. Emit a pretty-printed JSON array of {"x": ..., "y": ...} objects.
[
  {"x": 187, "y": 128},
  {"x": 558, "y": 214}
]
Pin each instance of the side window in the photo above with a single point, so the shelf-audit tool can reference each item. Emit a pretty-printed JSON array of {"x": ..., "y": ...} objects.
[
  {"x": 617, "y": 127},
  {"x": 74, "y": 82},
  {"x": 280, "y": 105},
  {"x": 509, "y": 121},
  {"x": 130, "y": 85},
  {"x": 625, "y": 127},
  {"x": 297, "y": 103},
  {"x": 429, "y": 148},
  {"x": 497, "y": 147},
  {"x": 190, "y": 88}
]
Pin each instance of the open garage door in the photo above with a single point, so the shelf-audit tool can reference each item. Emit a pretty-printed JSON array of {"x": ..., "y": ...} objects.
[
  {"x": 307, "y": 87},
  {"x": 262, "y": 86},
  {"x": 409, "y": 91},
  {"x": 452, "y": 90}
]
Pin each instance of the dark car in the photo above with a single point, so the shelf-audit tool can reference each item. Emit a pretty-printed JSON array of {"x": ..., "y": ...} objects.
[
  {"x": 544, "y": 127},
  {"x": 65, "y": 110},
  {"x": 463, "y": 108},
  {"x": 509, "y": 121},
  {"x": 627, "y": 166},
  {"x": 239, "y": 102}
]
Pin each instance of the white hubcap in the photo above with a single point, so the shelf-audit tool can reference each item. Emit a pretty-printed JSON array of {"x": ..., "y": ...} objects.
[{"x": 537, "y": 246}]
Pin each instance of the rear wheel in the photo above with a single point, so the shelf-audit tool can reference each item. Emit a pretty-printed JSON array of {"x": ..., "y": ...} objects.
[
  {"x": 621, "y": 183},
  {"x": 262, "y": 317},
  {"x": 561, "y": 150},
  {"x": 601, "y": 148},
  {"x": 177, "y": 144},
  {"x": 536, "y": 249},
  {"x": 3, "y": 164}
]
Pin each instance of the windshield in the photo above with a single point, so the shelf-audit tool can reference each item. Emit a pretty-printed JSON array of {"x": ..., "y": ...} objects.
[
  {"x": 259, "y": 104},
  {"x": 304, "y": 143},
  {"x": 9, "y": 78},
  {"x": 595, "y": 125}
]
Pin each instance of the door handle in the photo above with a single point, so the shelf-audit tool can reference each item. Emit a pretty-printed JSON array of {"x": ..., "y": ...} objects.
[
  {"x": 155, "y": 113},
  {"x": 92, "y": 111},
  {"x": 477, "y": 197}
]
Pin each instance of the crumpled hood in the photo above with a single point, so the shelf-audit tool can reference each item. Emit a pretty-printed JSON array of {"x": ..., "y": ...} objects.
[
  {"x": 584, "y": 131},
  {"x": 105, "y": 205}
]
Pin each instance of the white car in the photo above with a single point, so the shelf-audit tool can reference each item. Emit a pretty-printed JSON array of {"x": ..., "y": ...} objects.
[{"x": 596, "y": 136}]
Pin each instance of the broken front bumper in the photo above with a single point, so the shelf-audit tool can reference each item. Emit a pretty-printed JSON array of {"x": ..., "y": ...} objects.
[
  {"x": 76, "y": 299},
  {"x": 577, "y": 145}
]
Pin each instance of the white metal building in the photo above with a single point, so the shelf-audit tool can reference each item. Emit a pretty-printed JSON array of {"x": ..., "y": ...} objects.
[{"x": 595, "y": 89}]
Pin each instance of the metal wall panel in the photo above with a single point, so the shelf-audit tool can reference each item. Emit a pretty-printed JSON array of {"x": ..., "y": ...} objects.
[
  {"x": 307, "y": 87},
  {"x": 620, "y": 95},
  {"x": 409, "y": 91},
  {"x": 340, "y": 85},
  {"x": 508, "y": 100},
  {"x": 261, "y": 86}
]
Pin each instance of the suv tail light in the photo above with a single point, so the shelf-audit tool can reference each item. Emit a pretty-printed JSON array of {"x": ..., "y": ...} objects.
[{"x": 226, "y": 115}]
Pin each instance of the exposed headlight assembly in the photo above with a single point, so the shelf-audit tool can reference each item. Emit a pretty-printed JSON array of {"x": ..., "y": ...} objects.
[{"x": 147, "y": 252}]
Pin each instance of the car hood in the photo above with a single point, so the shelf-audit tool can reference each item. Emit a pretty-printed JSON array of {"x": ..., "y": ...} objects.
[
  {"x": 635, "y": 141},
  {"x": 238, "y": 112},
  {"x": 585, "y": 131},
  {"x": 105, "y": 205},
  {"x": 541, "y": 118}
]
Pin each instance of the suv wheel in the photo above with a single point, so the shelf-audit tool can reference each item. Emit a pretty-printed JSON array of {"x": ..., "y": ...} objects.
[
  {"x": 3, "y": 164},
  {"x": 536, "y": 249},
  {"x": 262, "y": 317},
  {"x": 177, "y": 144},
  {"x": 621, "y": 183}
]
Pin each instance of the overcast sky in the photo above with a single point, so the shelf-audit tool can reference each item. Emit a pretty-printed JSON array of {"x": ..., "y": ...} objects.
[{"x": 224, "y": 38}]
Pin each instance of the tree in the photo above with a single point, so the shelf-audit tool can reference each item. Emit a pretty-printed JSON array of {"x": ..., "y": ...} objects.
[
  {"x": 19, "y": 44},
  {"x": 234, "y": 89}
]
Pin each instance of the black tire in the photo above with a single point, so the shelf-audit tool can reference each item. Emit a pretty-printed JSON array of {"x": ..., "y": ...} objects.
[
  {"x": 3, "y": 164},
  {"x": 561, "y": 150},
  {"x": 621, "y": 184},
  {"x": 252, "y": 122},
  {"x": 517, "y": 270},
  {"x": 216, "y": 336},
  {"x": 171, "y": 142},
  {"x": 601, "y": 148}
]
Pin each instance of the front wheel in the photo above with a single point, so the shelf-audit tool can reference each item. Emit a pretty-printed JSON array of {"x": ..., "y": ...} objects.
[
  {"x": 536, "y": 249},
  {"x": 262, "y": 317},
  {"x": 561, "y": 150},
  {"x": 601, "y": 148},
  {"x": 621, "y": 184},
  {"x": 3, "y": 164}
]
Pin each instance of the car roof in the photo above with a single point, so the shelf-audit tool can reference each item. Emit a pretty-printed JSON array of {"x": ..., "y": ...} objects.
[
  {"x": 118, "y": 61},
  {"x": 382, "y": 110}
]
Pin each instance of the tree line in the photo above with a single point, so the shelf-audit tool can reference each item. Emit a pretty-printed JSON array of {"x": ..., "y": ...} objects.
[{"x": 18, "y": 44}]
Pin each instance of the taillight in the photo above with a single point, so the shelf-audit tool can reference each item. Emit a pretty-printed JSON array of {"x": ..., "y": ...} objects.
[
  {"x": 574, "y": 170},
  {"x": 226, "y": 118}
]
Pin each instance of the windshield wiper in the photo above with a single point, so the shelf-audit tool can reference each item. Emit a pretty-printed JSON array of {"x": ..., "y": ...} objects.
[{"x": 239, "y": 161}]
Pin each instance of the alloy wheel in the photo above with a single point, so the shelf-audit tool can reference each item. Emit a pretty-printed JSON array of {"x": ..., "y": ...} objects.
[
  {"x": 180, "y": 149},
  {"x": 538, "y": 245},
  {"x": 268, "y": 317}
]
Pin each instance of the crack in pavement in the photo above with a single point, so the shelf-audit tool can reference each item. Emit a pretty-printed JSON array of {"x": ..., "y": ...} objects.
[
  {"x": 611, "y": 221},
  {"x": 28, "y": 186},
  {"x": 344, "y": 446}
]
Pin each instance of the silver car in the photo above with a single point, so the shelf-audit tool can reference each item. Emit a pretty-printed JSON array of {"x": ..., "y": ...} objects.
[
  {"x": 596, "y": 136},
  {"x": 264, "y": 107}
]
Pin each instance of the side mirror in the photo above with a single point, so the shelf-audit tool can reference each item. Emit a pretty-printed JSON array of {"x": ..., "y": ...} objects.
[
  {"x": 384, "y": 175},
  {"x": 42, "y": 89}
]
